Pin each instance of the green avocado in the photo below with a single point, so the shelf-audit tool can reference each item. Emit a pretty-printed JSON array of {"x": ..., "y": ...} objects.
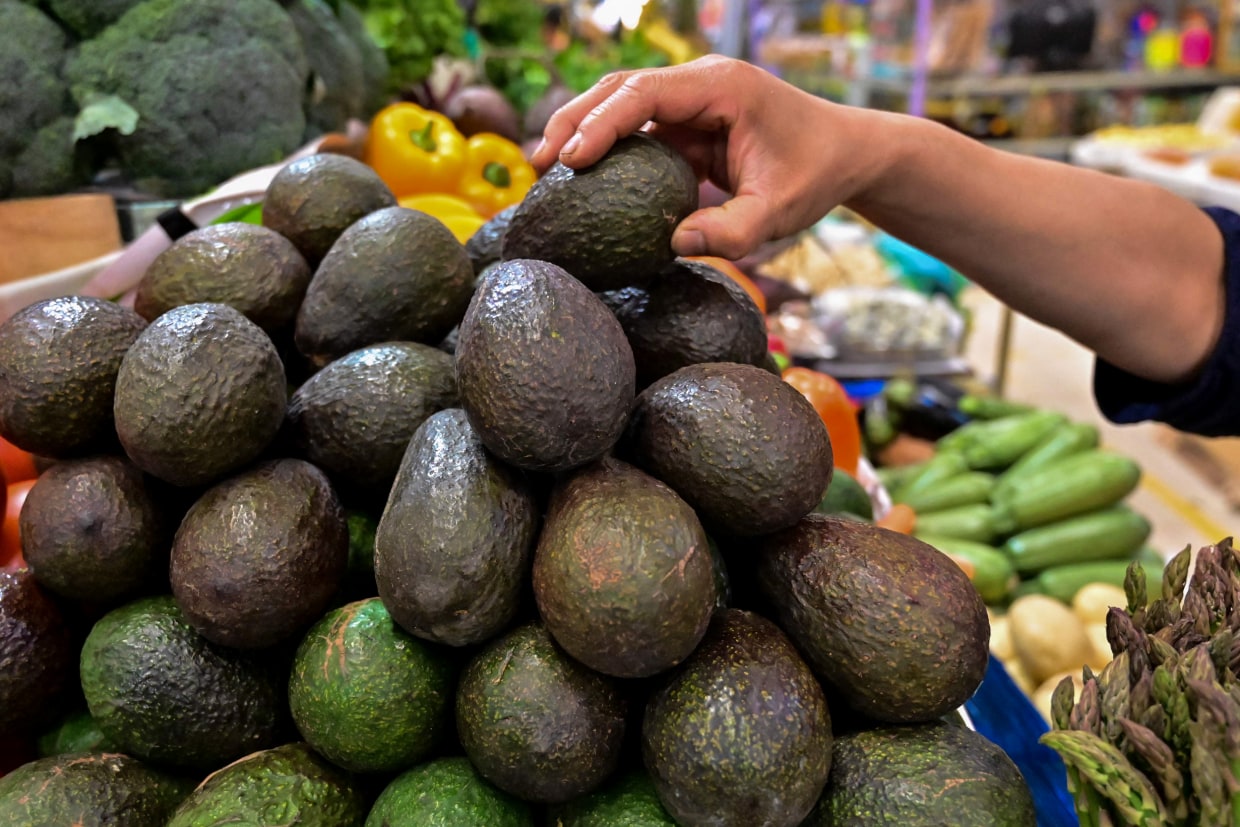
[
  {"x": 312, "y": 200},
  {"x": 253, "y": 269},
  {"x": 629, "y": 801},
  {"x": 623, "y": 572},
  {"x": 92, "y": 529},
  {"x": 845, "y": 495},
  {"x": 446, "y": 792},
  {"x": 395, "y": 275},
  {"x": 543, "y": 368},
  {"x": 611, "y": 224},
  {"x": 37, "y": 654},
  {"x": 742, "y": 446},
  {"x": 90, "y": 790},
  {"x": 285, "y": 785},
  {"x": 76, "y": 732},
  {"x": 58, "y": 364},
  {"x": 260, "y": 555},
  {"x": 534, "y": 722},
  {"x": 740, "y": 734},
  {"x": 199, "y": 394},
  {"x": 892, "y": 624},
  {"x": 354, "y": 417},
  {"x": 366, "y": 695},
  {"x": 922, "y": 775},
  {"x": 163, "y": 693},
  {"x": 453, "y": 548}
]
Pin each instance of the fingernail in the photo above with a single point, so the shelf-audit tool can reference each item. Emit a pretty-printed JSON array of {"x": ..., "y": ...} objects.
[
  {"x": 690, "y": 243},
  {"x": 572, "y": 145},
  {"x": 538, "y": 149}
]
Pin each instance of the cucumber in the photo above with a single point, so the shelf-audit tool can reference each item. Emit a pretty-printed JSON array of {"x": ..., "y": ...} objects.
[
  {"x": 1004, "y": 441},
  {"x": 966, "y": 522},
  {"x": 990, "y": 407},
  {"x": 1115, "y": 533},
  {"x": 993, "y": 575},
  {"x": 1067, "y": 487},
  {"x": 1063, "y": 582},
  {"x": 1073, "y": 438},
  {"x": 894, "y": 476},
  {"x": 944, "y": 465},
  {"x": 969, "y": 488}
]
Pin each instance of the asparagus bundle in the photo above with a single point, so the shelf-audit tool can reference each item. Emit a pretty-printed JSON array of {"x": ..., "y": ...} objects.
[{"x": 1154, "y": 738}]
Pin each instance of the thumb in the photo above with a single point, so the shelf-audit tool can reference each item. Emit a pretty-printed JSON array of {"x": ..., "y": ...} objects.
[{"x": 731, "y": 231}]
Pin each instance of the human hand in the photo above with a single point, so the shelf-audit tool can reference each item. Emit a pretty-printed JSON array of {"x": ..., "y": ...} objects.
[{"x": 786, "y": 156}]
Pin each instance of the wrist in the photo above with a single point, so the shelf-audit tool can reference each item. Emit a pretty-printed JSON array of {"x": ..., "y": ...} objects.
[{"x": 883, "y": 148}]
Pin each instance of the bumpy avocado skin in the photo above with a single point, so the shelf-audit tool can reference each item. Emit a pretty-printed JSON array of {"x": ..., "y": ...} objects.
[
  {"x": 623, "y": 573},
  {"x": 58, "y": 364},
  {"x": 611, "y": 224},
  {"x": 742, "y": 446},
  {"x": 253, "y": 269},
  {"x": 741, "y": 734},
  {"x": 534, "y": 722},
  {"x": 485, "y": 247},
  {"x": 923, "y": 775},
  {"x": 543, "y": 368},
  {"x": 890, "y": 622},
  {"x": 91, "y": 790},
  {"x": 161, "y": 692},
  {"x": 199, "y": 394},
  {"x": 688, "y": 314},
  {"x": 447, "y": 792},
  {"x": 395, "y": 275},
  {"x": 355, "y": 417},
  {"x": 453, "y": 548},
  {"x": 92, "y": 530},
  {"x": 288, "y": 784},
  {"x": 314, "y": 199},
  {"x": 37, "y": 659},
  {"x": 260, "y": 555},
  {"x": 629, "y": 801}
]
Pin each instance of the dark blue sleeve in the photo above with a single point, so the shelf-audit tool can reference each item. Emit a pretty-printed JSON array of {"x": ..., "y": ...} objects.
[{"x": 1208, "y": 405}]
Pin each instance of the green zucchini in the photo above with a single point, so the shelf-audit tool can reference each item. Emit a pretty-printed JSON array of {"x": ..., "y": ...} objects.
[
  {"x": 942, "y": 466},
  {"x": 993, "y": 575},
  {"x": 967, "y": 522},
  {"x": 983, "y": 431},
  {"x": 1072, "y": 438},
  {"x": 1067, "y": 487},
  {"x": 968, "y": 488},
  {"x": 990, "y": 407},
  {"x": 1115, "y": 533},
  {"x": 1063, "y": 582},
  {"x": 894, "y": 476},
  {"x": 1001, "y": 442}
]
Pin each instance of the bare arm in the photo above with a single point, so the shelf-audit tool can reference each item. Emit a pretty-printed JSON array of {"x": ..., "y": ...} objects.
[{"x": 1128, "y": 269}]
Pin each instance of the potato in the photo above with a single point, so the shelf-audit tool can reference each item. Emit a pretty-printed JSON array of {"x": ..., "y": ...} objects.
[
  {"x": 1047, "y": 637},
  {"x": 1019, "y": 676},
  {"x": 1001, "y": 638},
  {"x": 1097, "y": 634},
  {"x": 1041, "y": 696},
  {"x": 1092, "y": 601}
]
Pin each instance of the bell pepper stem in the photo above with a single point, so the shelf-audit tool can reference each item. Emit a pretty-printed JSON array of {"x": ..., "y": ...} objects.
[
  {"x": 497, "y": 175},
  {"x": 424, "y": 138}
]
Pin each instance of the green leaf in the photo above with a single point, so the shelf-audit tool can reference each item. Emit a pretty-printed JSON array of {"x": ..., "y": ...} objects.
[{"x": 104, "y": 113}]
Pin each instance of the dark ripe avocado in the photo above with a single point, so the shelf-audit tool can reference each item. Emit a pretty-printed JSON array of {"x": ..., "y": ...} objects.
[
  {"x": 536, "y": 723},
  {"x": 919, "y": 776},
  {"x": 36, "y": 654},
  {"x": 453, "y": 547},
  {"x": 629, "y": 801},
  {"x": 58, "y": 365},
  {"x": 89, "y": 790},
  {"x": 395, "y": 275},
  {"x": 543, "y": 368},
  {"x": 288, "y": 784},
  {"x": 253, "y": 269},
  {"x": 313, "y": 200},
  {"x": 163, "y": 693},
  {"x": 742, "y": 446},
  {"x": 354, "y": 417},
  {"x": 623, "y": 574},
  {"x": 741, "y": 734},
  {"x": 446, "y": 792},
  {"x": 484, "y": 247},
  {"x": 366, "y": 695},
  {"x": 690, "y": 313},
  {"x": 610, "y": 224},
  {"x": 92, "y": 530},
  {"x": 893, "y": 624},
  {"x": 201, "y": 393},
  {"x": 260, "y": 555}
]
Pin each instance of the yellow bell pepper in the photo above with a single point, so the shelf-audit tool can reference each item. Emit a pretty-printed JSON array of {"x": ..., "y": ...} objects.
[
  {"x": 415, "y": 150},
  {"x": 455, "y": 213},
  {"x": 496, "y": 174}
]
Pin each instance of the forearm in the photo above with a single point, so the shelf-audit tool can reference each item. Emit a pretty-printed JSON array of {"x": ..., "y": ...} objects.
[{"x": 1128, "y": 269}]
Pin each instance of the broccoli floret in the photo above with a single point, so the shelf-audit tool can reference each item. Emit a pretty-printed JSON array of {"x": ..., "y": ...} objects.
[
  {"x": 86, "y": 18},
  {"x": 375, "y": 69},
  {"x": 52, "y": 163},
  {"x": 338, "y": 90},
  {"x": 32, "y": 51},
  {"x": 217, "y": 86}
]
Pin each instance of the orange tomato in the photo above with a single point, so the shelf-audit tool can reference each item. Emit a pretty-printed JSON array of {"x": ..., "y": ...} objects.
[
  {"x": 17, "y": 464},
  {"x": 733, "y": 272},
  {"x": 900, "y": 518},
  {"x": 10, "y": 531},
  {"x": 832, "y": 403}
]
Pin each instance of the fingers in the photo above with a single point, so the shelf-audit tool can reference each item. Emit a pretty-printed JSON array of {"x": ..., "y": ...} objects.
[
  {"x": 563, "y": 124},
  {"x": 731, "y": 231}
]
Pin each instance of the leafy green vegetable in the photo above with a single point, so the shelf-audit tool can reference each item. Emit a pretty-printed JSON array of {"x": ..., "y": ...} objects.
[{"x": 413, "y": 32}]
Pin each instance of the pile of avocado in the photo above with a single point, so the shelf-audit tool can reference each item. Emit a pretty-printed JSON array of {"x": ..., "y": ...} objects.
[{"x": 350, "y": 525}]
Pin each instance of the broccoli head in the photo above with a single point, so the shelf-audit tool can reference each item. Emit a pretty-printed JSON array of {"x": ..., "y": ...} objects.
[
  {"x": 216, "y": 87},
  {"x": 338, "y": 91},
  {"x": 33, "y": 94},
  {"x": 375, "y": 67},
  {"x": 52, "y": 162},
  {"x": 86, "y": 18}
]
